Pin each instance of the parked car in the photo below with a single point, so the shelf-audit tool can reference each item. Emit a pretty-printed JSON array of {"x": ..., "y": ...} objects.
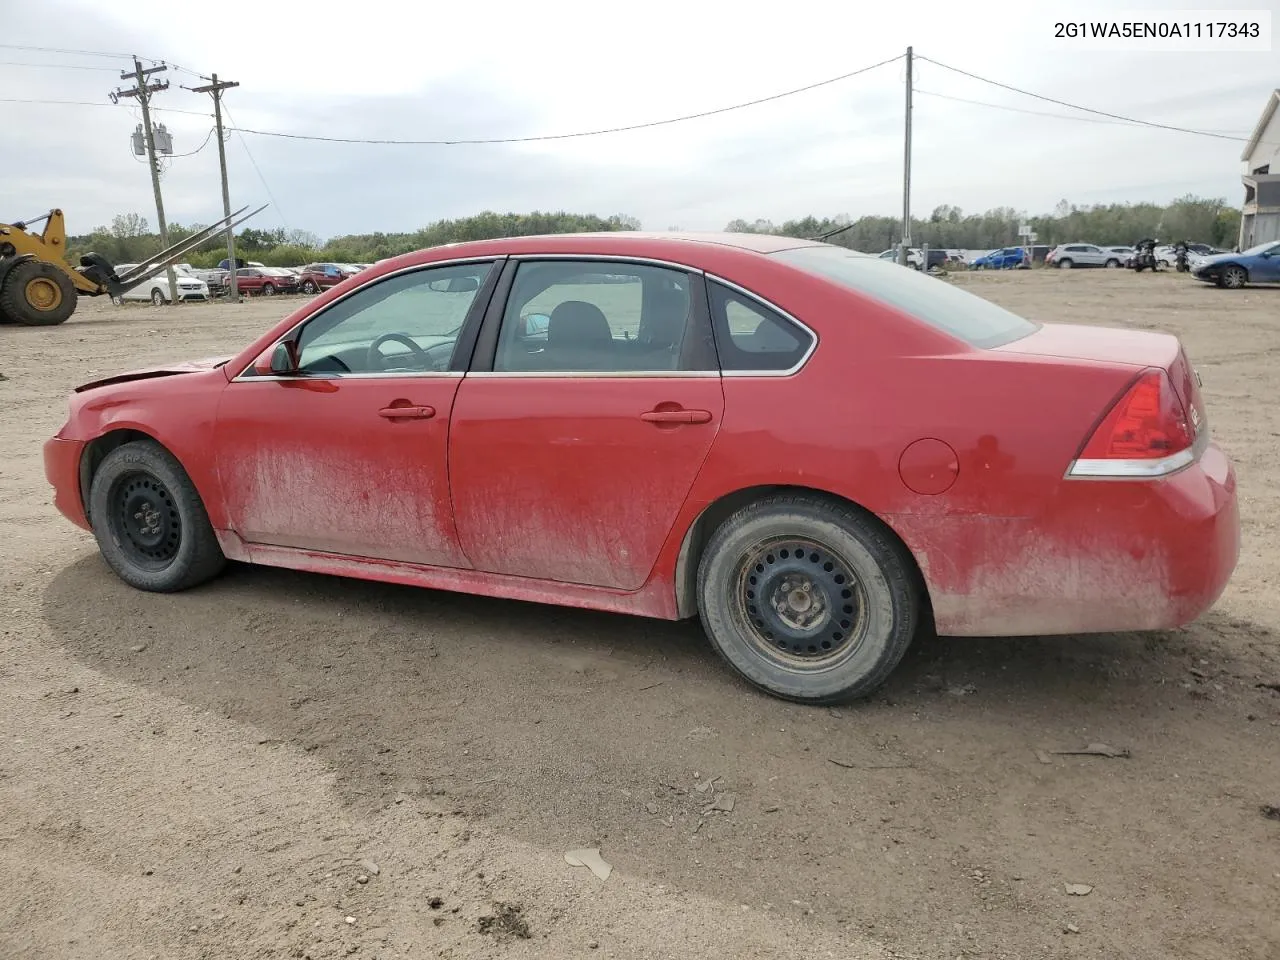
[
  {"x": 1068, "y": 255},
  {"x": 1123, "y": 252},
  {"x": 913, "y": 256},
  {"x": 1260, "y": 264},
  {"x": 158, "y": 291},
  {"x": 638, "y": 451},
  {"x": 1008, "y": 258},
  {"x": 267, "y": 281},
  {"x": 315, "y": 277}
]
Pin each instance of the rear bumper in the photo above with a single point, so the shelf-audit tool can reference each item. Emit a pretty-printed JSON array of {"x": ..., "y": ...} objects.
[
  {"x": 62, "y": 470},
  {"x": 1109, "y": 556}
]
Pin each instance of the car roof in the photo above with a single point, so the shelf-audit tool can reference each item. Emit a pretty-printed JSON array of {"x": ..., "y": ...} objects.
[{"x": 629, "y": 242}]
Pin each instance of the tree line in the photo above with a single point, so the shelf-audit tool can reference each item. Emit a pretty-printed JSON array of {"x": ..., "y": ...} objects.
[
  {"x": 1190, "y": 218},
  {"x": 129, "y": 239}
]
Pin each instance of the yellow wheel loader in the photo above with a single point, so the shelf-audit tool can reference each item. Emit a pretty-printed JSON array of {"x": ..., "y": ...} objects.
[{"x": 39, "y": 287}]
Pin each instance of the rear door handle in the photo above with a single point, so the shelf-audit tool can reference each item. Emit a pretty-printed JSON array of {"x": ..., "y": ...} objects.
[
  {"x": 676, "y": 416},
  {"x": 407, "y": 413}
]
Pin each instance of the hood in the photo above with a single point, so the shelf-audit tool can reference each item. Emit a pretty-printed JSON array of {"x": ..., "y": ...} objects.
[
  {"x": 1213, "y": 259},
  {"x": 149, "y": 373}
]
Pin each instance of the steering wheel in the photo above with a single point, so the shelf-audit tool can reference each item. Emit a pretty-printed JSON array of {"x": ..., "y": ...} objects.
[{"x": 378, "y": 362}]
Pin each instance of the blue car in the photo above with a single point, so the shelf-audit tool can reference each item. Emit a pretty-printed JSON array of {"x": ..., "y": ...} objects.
[
  {"x": 1010, "y": 258},
  {"x": 1260, "y": 264}
]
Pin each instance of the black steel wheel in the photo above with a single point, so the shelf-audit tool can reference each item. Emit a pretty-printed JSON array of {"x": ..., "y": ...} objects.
[
  {"x": 144, "y": 519},
  {"x": 798, "y": 600},
  {"x": 149, "y": 521},
  {"x": 809, "y": 599}
]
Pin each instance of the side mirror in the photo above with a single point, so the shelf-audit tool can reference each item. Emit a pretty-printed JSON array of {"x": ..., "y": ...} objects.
[
  {"x": 284, "y": 361},
  {"x": 535, "y": 324},
  {"x": 455, "y": 285}
]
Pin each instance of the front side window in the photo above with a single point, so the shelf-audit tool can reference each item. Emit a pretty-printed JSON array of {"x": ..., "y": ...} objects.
[
  {"x": 406, "y": 323},
  {"x": 594, "y": 317}
]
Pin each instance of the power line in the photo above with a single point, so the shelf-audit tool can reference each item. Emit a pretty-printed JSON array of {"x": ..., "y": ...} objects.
[
  {"x": 254, "y": 163},
  {"x": 581, "y": 133},
  {"x": 81, "y": 53},
  {"x": 1076, "y": 106},
  {"x": 95, "y": 53},
  {"x": 54, "y": 66},
  {"x": 192, "y": 153},
  {"x": 94, "y": 103},
  {"x": 1034, "y": 113}
]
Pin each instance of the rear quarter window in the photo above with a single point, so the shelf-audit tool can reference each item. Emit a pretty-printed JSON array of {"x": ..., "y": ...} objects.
[{"x": 963, "y": 315}]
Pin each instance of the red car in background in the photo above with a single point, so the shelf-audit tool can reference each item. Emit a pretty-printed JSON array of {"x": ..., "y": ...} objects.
[
  {"x": 315, "y": 277},
  {"x": 267, "y": 281},
  {"x": 815, "y": 451}
]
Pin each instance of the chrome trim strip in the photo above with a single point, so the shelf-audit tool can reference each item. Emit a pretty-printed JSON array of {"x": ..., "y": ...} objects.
[
  {"x": 617, "y": 258},
  {"x": 1132, "y": 469},
  {"x": 598, "y": 375},
  {"x": 799, "y": 364},
  {"x": 428, "y": 375},
  {"x": 488, "y": 258}
]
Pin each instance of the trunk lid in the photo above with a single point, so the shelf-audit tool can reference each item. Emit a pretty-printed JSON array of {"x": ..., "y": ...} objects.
[{"x": 1135, "y": 348}]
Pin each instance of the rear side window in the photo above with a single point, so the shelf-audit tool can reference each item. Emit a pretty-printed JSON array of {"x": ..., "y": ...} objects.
[
  {"x": 752, "y": 338},
  {"x": 950, "y": 309}
]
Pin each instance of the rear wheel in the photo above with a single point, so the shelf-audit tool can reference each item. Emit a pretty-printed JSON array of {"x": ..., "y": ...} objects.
[
  {"x": 149, "y": 521},
  {"x": 1233, "y": 278},
  {"x": 157, "y": 297},
  {"x": 37, "y": 294},
  {"x": 1113, "y": 264},
  {"x": 1064, "y": 264},
  {"x": 309, "y": 287},
  {"x": 808, "y": 600}
]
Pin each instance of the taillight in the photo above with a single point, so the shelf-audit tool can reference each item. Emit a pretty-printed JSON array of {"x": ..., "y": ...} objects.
[{"x": 1146, "y": 433}]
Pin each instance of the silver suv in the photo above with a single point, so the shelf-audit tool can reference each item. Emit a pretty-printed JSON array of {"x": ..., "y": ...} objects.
[{"x": 1067, "y": 255}]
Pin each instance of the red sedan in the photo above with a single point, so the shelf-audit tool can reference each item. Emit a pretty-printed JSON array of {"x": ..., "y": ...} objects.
[{"x": 817, "y": 452}]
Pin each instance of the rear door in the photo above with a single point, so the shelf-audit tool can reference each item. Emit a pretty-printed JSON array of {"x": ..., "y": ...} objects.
[{"x": 592, "y": 402}]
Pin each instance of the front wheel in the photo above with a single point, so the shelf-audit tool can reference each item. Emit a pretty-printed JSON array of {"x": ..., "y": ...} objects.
[
  {"x": 268, "y": 290},
  {"x": 1113, "y": 264},
  {"x": 149, "y": 521},
  {"x": 1233, "y": 278},
  {"x": 808, "y": 600}
]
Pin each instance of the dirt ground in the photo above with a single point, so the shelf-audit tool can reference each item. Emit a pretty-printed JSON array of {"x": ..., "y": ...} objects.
[{"x": 287, "y": 765}]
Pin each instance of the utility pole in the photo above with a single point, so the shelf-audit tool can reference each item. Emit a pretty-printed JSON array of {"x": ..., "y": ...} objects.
[
  {"x": 143, "y": 92},
  {"x": 906, "y": 175},
  {"x": 215, "y": 89}
]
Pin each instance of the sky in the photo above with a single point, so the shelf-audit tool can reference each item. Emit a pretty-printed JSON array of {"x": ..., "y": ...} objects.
[{"x": 432, "y": 71}]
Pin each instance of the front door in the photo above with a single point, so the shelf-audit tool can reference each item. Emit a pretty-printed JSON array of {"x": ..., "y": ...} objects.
[
  {"x": 348, "y": 454},
  {"x": 575, "y": 444}
]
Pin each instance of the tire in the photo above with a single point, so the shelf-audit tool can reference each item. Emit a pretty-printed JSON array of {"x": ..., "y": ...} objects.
[
  {"x": 117, "y": 300},
  {"x": 835, "y": 555},
  {"x": 37, "y": 294},
  {"x": 157, "y": 297},
  {"x": 1233, "y": 277},
  {"x": 1113, "y": 264},
  {"x": 309, "y": 287},
  {"x": 149, "y": 521},
  {"x": 268, "y": 290},
  {"x": 1064, "y": 264}
]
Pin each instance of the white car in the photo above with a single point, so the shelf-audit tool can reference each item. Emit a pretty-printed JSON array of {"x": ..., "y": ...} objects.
[
  {"x": 158, "y": 291},
  {"x": 913, "y": 256}
]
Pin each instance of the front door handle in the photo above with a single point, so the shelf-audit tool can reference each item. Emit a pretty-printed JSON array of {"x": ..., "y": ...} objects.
[
  {"x": 407, "y": 412},
  {"x": 676, "y": 416}
]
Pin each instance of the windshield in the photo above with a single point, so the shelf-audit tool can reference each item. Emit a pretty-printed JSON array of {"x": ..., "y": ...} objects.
[{"x": 938, "y": 303}]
